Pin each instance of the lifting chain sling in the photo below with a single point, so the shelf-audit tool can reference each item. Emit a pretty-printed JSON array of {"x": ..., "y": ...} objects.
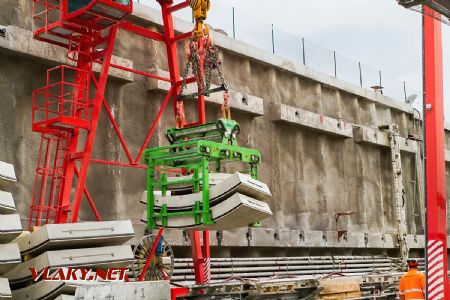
[{"x": 212, "y": 63}]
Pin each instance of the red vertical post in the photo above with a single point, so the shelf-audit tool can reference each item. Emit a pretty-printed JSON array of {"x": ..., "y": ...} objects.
[
  {"x": 197, "y": 257},
  {"x": 200, "y": 254},
  {"x": 201, "y": 99},
  {"x": 81, "y": 79},
  {"x": 206, "y": 257},
  {"x": 172, "y": 57},
  {"x": 97, "y": 105},
  {"x": 437, "y": 279}
]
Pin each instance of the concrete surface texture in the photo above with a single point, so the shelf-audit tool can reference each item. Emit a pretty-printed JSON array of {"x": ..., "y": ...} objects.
[{"x": 314, "y": 169}]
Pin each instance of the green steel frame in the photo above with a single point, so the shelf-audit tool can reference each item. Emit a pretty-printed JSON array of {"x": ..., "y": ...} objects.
[{"x": 194, "y": 157}]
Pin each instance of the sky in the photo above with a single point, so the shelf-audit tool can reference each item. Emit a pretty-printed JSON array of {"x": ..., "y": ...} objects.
[{"x": 378, "y": 33}]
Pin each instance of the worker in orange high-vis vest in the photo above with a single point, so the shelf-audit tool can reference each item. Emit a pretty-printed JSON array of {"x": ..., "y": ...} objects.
[{"x": 412, "y": 284}]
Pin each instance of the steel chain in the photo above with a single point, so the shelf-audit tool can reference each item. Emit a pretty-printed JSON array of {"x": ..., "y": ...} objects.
[{"x": 211, "y": 62}]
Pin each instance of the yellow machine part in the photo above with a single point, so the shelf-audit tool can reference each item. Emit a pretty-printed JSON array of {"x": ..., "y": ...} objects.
[{"x": 200, "y": 10}]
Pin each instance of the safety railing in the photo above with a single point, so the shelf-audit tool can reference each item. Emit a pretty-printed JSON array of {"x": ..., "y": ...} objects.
[
  {"x": 64, "y": 102},
  {"x": 242, "y": 26},
  {"x": 45, "y": 12}
]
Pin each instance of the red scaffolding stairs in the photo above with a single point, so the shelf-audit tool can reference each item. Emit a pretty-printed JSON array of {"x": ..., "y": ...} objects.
[{"x": 66, "y": 110}]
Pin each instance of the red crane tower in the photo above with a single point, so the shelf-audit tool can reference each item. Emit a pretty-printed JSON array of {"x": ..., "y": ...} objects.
[
  {"x": 66, "y": 111},
  {"x": 434, "y": 12}
]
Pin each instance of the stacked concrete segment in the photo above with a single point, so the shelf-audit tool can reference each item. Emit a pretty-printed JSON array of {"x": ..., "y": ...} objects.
[
  {"x": 236, "y": 202},
  {"x": 93, "y": 245},
  {"x": 149, "y": 290},
  {"x": 10, "y": 228}
]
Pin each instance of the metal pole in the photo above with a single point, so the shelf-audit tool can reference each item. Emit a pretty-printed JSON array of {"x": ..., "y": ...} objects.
[
  {"x": 335, "y": 64},
  {"x": 304, "y": 54},
  {"x": 404, "y": 90},
  {"x": 273, "y": 40},
  {"x": 360, "y": 74},
  {"x": 381, "y": 86},
  {"x": 234, "y": 23}
]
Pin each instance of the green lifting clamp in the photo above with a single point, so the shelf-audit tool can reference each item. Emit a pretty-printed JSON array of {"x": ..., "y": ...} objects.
[
  {"x": 195, "y": 150},
  {"x": 223, "y": 131}
]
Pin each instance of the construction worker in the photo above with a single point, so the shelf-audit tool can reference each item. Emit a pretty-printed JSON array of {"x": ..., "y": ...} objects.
[{"x": 412, "y": 284}]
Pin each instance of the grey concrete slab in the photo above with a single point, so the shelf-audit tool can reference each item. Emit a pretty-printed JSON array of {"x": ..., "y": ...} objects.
[
  {"x": 100, "y": 257},
  {"x": 5, "y": 290},
  {"x": 49, "y": 290},
  {"x": 416, "y": 241},
  {"x": 78, "y": 235},
  {"x": 20, "y": 41},
  {"x": 312, "y": 121},
  {"x": 235, "y": 212},
  {"x": 239, "y": 101},
  {"x": 366, "y": 135},
  {"x": 447, "y": 155},
  {"x": 9, "y": 257},
  {"x": 150, "y": 290},
  {"x": 7, "y": 204},
  {"x": 65, "y": 297},
  {"x": 230, "y": 238},
  {"x": 10, "y": 227},
  {"x": 271, "y": 237},
  {"x": 214, "y": 178},
  {"x": 236, "y": 183},
  {"x": 7, "y": 172}
]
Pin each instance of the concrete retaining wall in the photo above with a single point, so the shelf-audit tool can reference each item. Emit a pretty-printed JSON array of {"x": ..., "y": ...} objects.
[{"x": 315, "y": 168}]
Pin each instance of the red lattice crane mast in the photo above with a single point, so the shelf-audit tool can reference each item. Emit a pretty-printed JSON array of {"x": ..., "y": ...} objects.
[{"x": 66, "y": 111}]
